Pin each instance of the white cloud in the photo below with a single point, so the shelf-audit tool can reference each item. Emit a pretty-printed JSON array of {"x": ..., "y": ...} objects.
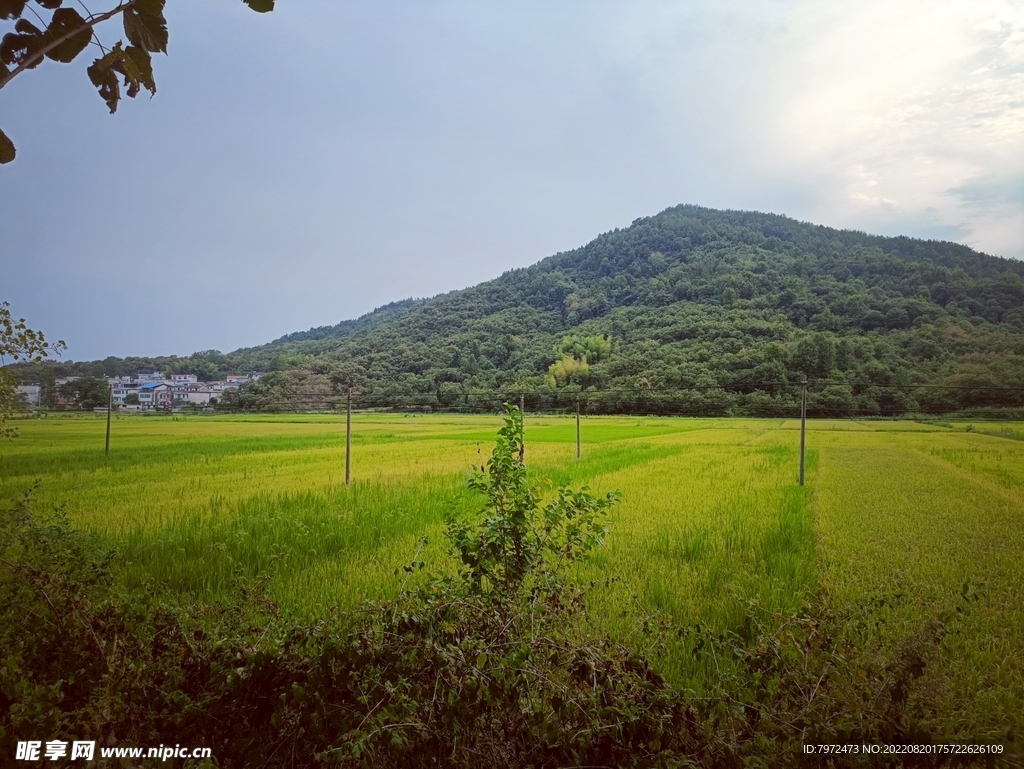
[
  {"x": 876, "y": 115},
  {"x": 914, "y": 101}
]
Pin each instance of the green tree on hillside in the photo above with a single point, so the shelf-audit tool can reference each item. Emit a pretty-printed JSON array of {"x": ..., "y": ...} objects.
[
  {"x": 589, "y": 348},
  {"x": 568, "y": 370},
  {"x": 86, "y": 392},
  {"x": 576, "y": 355},
  {"x": 815, "y": 356}
]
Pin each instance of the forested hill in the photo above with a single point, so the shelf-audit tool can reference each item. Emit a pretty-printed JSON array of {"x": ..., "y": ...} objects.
[{"x": 710, "y": 306}]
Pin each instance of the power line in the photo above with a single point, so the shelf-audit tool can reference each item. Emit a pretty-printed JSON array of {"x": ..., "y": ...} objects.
[{"x": 735, "y": 386}]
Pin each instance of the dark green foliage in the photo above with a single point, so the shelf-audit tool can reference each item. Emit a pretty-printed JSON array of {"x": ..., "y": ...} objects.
[
  {"x": 86, "y": 392},
  {"x": 19, "y": 343},
  {"x": 55, "y": 582},
  {"x": 11, "y": 9},
  {"x": 822, "y": 676},
  {"x": 7, "y": 150},
  {"x": 714, "y": 309},
  {"x": 145, "y": 25},
  {"x": 132, "y": 64},
  {"x": 260, "y": 6},
  {"x": 65, "y": 21}
]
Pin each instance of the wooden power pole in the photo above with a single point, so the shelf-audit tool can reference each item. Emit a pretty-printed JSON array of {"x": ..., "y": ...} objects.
[
  {"x": 348, "y": 440},
  {"x": 803, "y": 427},
  {"x": 578, "y": 447},
  {"x": 110, "y": 407},
  {"x": 522, "y": 428}
]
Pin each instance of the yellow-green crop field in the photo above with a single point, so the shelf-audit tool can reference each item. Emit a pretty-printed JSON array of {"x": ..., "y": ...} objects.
[{"x": 904, "y": 517}]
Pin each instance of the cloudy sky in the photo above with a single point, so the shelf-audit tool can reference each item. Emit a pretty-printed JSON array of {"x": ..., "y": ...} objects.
[{"x": 302, "y": 167}]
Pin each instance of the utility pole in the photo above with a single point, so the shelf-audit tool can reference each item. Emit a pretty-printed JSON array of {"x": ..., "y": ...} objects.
[
  {"x": 110, "y": 407},
  {"x": 522, "y": 428},
  {"x": 348, "y": 440},
  {"x": 803, "y": 426},
  {"x": 577, "y": 427}
]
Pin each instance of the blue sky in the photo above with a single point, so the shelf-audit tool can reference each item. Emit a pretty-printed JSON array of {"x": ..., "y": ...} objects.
[{"x": 302, "y": 167}]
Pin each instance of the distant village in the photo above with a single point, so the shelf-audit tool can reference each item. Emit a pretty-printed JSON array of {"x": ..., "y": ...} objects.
[{"x": 151, "y": 391}]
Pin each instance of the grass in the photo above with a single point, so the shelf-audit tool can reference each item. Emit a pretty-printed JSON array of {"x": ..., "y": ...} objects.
[{"x": 904, "y": 515}]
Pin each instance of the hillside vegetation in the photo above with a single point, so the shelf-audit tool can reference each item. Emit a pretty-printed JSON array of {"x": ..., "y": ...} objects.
[{"x": 708, "y": 311}]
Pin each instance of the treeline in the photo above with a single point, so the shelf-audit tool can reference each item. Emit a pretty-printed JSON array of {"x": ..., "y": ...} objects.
[
  {"x": 207, "y": 365},
  {"x": 710, "y": 304}
]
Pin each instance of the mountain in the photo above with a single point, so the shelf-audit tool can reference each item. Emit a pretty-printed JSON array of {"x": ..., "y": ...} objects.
[{"x": 700, "y": 310}]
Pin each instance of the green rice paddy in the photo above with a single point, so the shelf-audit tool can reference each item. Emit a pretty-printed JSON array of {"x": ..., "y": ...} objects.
[{"x": 908, "y": 516}]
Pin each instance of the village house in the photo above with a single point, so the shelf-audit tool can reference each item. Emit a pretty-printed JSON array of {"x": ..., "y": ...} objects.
[
  {"x": 121, "y": 389},
  {"x": 154, "y": 391},
  {"x": 155, "y": 395},
  {"x": 193, "y": 392}
]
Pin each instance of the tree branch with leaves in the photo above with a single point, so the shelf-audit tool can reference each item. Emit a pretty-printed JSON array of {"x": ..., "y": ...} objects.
[
  {"x": 22, "y": 345},
  {"x": 67, "y": 34}
]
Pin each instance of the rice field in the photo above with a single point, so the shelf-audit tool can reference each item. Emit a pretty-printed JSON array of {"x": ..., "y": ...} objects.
[{"x": 902, "y": 516}]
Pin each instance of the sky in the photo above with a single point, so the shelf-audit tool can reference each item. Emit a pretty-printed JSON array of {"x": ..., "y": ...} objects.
[{"x": 302, "y": 167}]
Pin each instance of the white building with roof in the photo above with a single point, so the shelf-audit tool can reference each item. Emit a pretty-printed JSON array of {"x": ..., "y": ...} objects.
[
  {"x": 194, "y": 392},
  {"x": 155, "y": 395}
]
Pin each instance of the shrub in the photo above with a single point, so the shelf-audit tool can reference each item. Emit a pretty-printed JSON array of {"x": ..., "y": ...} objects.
[{"x": 496, "y": 665}]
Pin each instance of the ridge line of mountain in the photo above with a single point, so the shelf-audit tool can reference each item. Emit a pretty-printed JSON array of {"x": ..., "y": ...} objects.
[{"x": 690, "y": 298}]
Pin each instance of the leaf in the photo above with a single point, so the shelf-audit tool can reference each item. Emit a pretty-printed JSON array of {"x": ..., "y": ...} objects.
[
  {"x": 144, "y": 65},
  {"x": 65, "y": 20},
  {"x": 8, "y": 48},
  {"x": 16, "y": 48},
  {"x": 146, "y": 30},
  {"x": 260, "y": 6},
  {"x": 27, "y": 28},
  {"x": 134, "y": 64},
  {"x": 11, "y": 9},
  {"x": 49, "y": 4},
  {"x": 128, "y": 68},
  {"x": 102, "y": 75},
  {"x": 7, "y": 151}
]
